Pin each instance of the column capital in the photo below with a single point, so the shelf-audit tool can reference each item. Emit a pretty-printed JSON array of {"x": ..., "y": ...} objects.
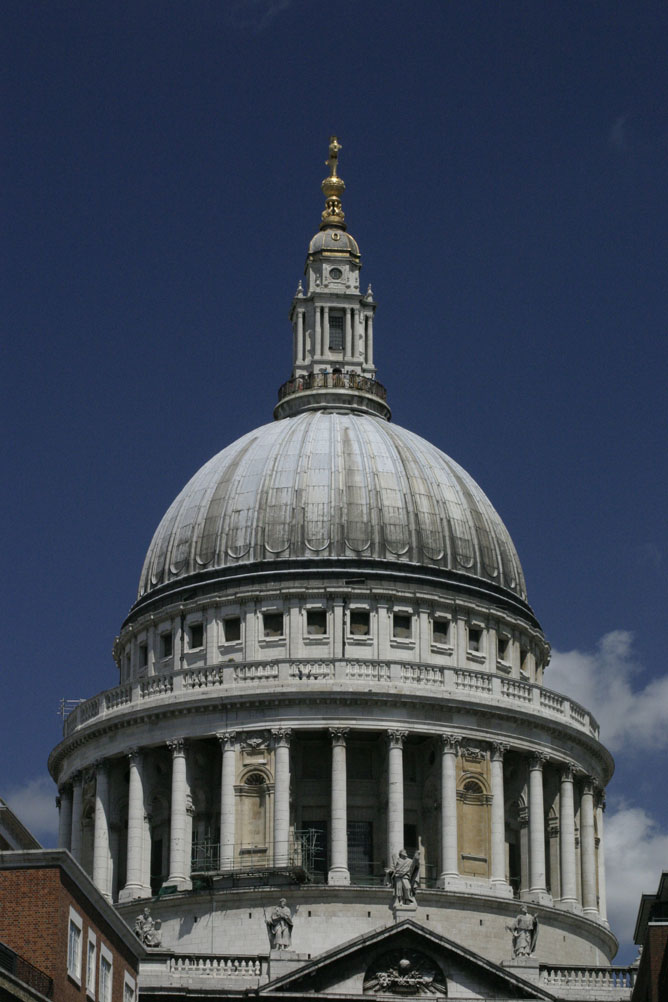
[
  {"x": 536, "y": 761},
  {"x": 588, "y": 785},
  {"x": 134, "y": 754},
  {"x": 100, "y": 765},
  {"x": 396, "y": 739},
  {"x": 567, "y": 772},
  {"x": 497, "y": 750},
  {"x": 227, "y": 739},
  {"x": 450, "y": 744},
  {"x": 176, "y": 746},
  {"x": 58, "y": 802},
  {"x": 77, "y": 778},
  {"x": 338, "y": 735},
  {"x": 281, "y": 736},
  {"x": 600, "y": 797},
  {"x": 65, "y": 788}
]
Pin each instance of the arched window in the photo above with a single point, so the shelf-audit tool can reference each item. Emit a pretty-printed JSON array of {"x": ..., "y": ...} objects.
[{"x": 255, "y": 779}]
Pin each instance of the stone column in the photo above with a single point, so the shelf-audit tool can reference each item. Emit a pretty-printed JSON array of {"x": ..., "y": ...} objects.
[
  {"x": 179, "y": 865},
  {"x": 301, "y": 347},
  {"x": 449, "y": 844},
  {"x": 338, "y": 871},
  {"x": 498, "y": 819},
  {"x": 77, "y": 806},
  {"x": 64, "y": 802},
  {"x": 101, "y": 846},
  {"x": 325, "y": 329},
  {"x": 281, "y": 738},
  {"x": 587, "y": 836},
  {"x": 395, "y": 793},
  {"x": 348, "y": 344},
  {"x": 602, "y": 897},
  {"x": 227, "y": 799},
  {"x": 369, "y": 339},
  {"x": 135, "y": 884},
  {"x": 537, "y": 884},
  {"x": 569, "y": 890},
  {"x": 318, "y": 333}
]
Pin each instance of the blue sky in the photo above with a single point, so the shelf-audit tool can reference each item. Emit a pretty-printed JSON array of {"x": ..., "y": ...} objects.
[{"x": 506, "y": 178}]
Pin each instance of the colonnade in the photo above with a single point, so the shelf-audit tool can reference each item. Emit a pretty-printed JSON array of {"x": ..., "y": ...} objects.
[
  {"x": 591, "y": 899},
  {"x": 356, "y": 322}
]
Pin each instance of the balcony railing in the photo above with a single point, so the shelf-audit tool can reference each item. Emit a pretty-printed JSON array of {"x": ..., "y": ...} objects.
[
  {"x": 598, "y": 982},
  {"x": 234, "y": 676},
  {"x": 24, "y": 971},
  {"x": 332, "y": 381}
]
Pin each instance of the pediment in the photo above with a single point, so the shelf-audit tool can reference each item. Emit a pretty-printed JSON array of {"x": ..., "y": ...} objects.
[{"x": 406, "y": 961}]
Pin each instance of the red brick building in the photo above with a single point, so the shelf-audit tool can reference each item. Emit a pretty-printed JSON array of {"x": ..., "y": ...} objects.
[
  {"x": 651, "y": 934},
  {"x": 53, "y": 917}
]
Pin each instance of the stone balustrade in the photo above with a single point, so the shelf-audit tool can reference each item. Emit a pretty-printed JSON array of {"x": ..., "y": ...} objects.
[
  {"x": 162, "y": 969},
  {"x": 456, "y": 683},
  {"x": 599, "y": 983}
]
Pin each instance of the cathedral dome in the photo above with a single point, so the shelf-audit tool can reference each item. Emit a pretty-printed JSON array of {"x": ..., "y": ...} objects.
[
  {"x": 334, "y": 241},
  {"x": 332, "y": 485}
]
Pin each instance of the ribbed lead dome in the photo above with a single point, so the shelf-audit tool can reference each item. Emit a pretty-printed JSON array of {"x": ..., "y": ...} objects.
[{"x": 332, "y": 485}]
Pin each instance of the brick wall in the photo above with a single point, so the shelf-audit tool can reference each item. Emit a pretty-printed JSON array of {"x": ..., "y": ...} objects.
[{"x": 34, "y": 922}]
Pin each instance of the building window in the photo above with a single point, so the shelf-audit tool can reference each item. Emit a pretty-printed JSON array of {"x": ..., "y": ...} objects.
[
  {"x": 129, "y": 988},
  {"x": 106, "y": 971},
  {"x": 196, "y": 635},
  {"x": 402, "y": 626},
  {"x": 336, "y": 330},
  {"x": 91, "y": 964},
  {"x": 143, "y": 655},
  {"x": 441, "y": 631},
  {"x": 503, "y": 645},
  {"x": 255, "y": 779},
  {"x": 166, "y": 645},
  {"x": 316, "y": 622},
  {"x": 273, "y": 624},
  {"x": 475, "y": 639},
  {"x": 232, "y": 629},
  {"x": 524, "y": 660},
  {"x": 359, "y": 623},
  {"x": 74, "y": 939}
]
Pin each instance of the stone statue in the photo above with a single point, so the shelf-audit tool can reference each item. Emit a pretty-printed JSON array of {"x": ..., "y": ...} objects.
[
  {"x": 280, "y": 925},
  {"x": 524, "y": 932},
  {"x": 147, "y": 929},
  {"x": 403, "y": 876}
]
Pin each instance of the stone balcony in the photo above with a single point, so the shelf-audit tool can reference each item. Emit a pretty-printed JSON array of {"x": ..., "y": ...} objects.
[{"x": 391, "y": 677}]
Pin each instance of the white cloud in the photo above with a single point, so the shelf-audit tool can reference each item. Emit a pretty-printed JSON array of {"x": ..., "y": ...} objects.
[
  {"x": 631, "y": 718},
  {"x": 34, "y": 804},
  {"x": 636, "y": 847}
]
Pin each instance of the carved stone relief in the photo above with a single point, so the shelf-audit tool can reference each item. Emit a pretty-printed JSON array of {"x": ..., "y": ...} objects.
[{"x": 404, "y": 972}]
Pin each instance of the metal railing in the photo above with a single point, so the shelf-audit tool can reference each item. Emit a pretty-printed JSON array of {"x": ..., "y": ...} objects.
[
  {"x": 26, "y": 972},
  {"x": 332, "y": 381}
]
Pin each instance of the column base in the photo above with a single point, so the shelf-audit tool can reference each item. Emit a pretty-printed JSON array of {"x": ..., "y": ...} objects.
[
  {"x": 537, "y": 897},
  {"x": 455, "y": 882},
  {"x": 180, "y": 883},
  {"x": 591, "y": 913},
  {"x": 500, "y": 889},
  {"x": 569, "y": 905},
  {"x": 338, "y": 877},
  {"x": 133, "y": 892}
]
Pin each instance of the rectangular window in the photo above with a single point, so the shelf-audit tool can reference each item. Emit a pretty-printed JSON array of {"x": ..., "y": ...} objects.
[
  {"x": 441, "y": 631},
  {"x": 402, "y": 626},
  {"x": 359, "y": 623},
  {"x": 336, "y": 330},
  {"x": 129, "y": 988},
  {"x": 106, "y": 972},
  {"x": 196, "y": 635},
  {"x": 273, "y": 624},
  {"x": 91, "y": 964},
  {"x": 166, "y": 645},
  {"x": 475, "y": 639},
  {"x": 503, "y": 643},
  {"x": 232, "y": 629},
  {"x": 74, "y": 938},
  {"x": 316, "y": 622},
  {"x": 143, "y": 655}
]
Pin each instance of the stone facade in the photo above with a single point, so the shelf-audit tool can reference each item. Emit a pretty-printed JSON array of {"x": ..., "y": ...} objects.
[{"x": 331, "y": 659}]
